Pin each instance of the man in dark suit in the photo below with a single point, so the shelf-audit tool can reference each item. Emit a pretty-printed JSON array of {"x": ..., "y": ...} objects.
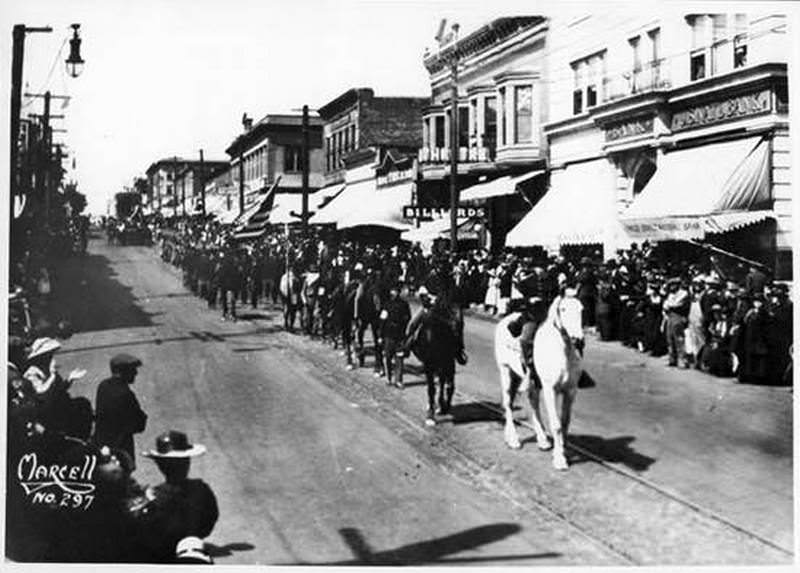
[{"x": 118, "y": 413}]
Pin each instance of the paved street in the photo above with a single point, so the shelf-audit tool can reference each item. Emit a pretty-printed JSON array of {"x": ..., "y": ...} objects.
[{"x": 316, "y": 465}]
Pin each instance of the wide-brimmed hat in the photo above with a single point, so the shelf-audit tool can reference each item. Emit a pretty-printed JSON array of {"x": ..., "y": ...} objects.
[
  {"x": 175, "y": 444},
  {"x": 42, "y": 346}
]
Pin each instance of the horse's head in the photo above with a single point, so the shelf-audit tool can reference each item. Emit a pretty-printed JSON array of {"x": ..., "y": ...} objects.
[{"x": 566, "y": 314}]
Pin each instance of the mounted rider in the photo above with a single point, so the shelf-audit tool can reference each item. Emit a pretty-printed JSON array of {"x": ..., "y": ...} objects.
[{"x": 441, "y": 297}]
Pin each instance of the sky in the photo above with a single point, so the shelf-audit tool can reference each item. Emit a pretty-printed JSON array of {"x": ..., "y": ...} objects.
[{"x": 169, "y": 77}]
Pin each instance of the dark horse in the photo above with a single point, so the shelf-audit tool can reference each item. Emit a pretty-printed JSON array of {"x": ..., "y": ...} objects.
[
  {"x": 362, "y": 304},
  {"x": 436, "y": 347}
]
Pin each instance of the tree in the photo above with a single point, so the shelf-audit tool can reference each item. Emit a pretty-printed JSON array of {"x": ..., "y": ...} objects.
[{"x": 74, "y": 198}]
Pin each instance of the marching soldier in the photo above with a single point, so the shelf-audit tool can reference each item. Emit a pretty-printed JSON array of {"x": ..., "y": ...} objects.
[{"x": 394, "y": 318}]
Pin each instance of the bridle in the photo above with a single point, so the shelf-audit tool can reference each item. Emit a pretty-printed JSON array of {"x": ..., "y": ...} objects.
[{"x": 558, "y": 323}]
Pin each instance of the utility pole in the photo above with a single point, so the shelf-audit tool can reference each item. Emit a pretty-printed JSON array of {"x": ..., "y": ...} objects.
[
  {"x": 175, "y": 186},
  {"x": 202, "y": 185},
  {"x": 18, "y": 55},
  {"x": 454, "y": 144},
  {"x": 241, "y": 183},
  {"x": 47, "y": 160},
  {"x": 304, "y": 159}
]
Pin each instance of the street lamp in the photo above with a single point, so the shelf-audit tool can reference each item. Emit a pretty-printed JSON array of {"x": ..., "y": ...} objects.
[{"x": 75, "y": 62}]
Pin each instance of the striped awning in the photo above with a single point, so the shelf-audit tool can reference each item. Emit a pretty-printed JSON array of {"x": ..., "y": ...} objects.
[{"x": 714, "y": 188}]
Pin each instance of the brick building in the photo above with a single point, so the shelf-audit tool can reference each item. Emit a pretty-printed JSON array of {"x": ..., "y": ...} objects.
[{"x": 360, "y": 131}]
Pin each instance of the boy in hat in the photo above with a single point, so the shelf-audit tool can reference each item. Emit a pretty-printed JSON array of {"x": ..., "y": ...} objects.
[
  {"x": 118, "y": 413},
  {"x": 179, "y": 507}
]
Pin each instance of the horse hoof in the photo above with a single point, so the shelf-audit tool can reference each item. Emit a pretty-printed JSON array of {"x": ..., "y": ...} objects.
[
  {"x": 514, "y": 444},
  {"x": 430, "y": 422},
  {"x": 350, "y": 367},
  {"x": 560, "y": 463},
  {"x": 544, "y": 446}
]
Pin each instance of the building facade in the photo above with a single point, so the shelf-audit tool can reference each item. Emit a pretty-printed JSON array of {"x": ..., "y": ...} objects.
[
  {"x": 667, "y": 126},
  {"x": 502, "y": 105},
  {"x": 270, "y": 151},
  {"x": 162, "y": 196},
  {"x": 360, "y": 131},
  {"x": 190, "y": 181}
]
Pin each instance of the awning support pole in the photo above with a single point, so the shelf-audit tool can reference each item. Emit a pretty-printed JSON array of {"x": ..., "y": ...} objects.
[{"x": 729, "y": 254}]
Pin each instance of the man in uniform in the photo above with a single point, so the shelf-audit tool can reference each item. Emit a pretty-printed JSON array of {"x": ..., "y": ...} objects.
[
  {"x": 118, "y": 413},
  {"x": 394, "y": 317}
]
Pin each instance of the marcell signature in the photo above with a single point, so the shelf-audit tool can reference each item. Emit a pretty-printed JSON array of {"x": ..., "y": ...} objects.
[{"x": 64, "y": 485}]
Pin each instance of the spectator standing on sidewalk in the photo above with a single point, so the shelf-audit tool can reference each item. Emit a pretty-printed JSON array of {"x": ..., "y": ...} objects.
[
  {"x": 676, "y": 307},
  {"x": 118, "y": 413}
]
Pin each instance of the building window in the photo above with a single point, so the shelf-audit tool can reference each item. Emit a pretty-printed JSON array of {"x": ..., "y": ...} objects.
[
  {"x": 347, "y": 139},
  {"x": 701, "y": 39},
  {"x": 473, "y": 116},
  {"x": 463, "y": 126},
  {"x": 439, "y": 129},
  {"x": 328, "y": 153},
  {"x": 292, "y": 158},
  {"x": 502, "y": 92},
  {"x": 523, "y": 114},
  {"x": 636, "y": 72},
  {"x": 589, "y": 80},
  {"x": 655, "y": 56},
  {"x": 426, "y": 132},
  {"x": 490, "y": 122},
  {"x": 353, "y": 136},
  {"x": 740, "y": 41}
]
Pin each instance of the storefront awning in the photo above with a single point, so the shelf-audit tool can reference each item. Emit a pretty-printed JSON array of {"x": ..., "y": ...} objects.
[
  {"x": 578, "y": 209},
  {"x": 715, "y": 188},
  {"x": 430, "y": 230},
  {"x": 363, "y": 204},
  {"x": 286, "y": 203},
  {"x": 505, "y": 185}
]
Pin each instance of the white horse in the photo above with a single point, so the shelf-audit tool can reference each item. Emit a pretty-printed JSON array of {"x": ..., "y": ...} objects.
[{"x": 557, "y": 362}]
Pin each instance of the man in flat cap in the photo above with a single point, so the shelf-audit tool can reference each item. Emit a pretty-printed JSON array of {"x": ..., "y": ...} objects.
[{"x": 118, "y": 413}]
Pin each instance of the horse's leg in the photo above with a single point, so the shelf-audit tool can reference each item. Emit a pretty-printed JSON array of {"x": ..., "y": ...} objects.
[
  {"x": 360, "y": 328},
  {"x": 559, "y": 461},
  {"x": 379, "y": 366},
  {"x": 429, "y": 419},
  {"x": 536, "y": 418},
  {"x": 347, "y": 336},
  {"x": 509, "y": 390},
  {"x": 449, "y": 383},
  {"x": 567, "y": 400}
]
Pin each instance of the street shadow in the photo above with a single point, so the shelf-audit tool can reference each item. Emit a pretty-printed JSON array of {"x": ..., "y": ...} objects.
[
  {"x": 87, "y": 293},
  {"x": 226, "y": 550},
  {"x": 435, "y": 551},
  {"x": 615, "y": 450},
  {"x": 472, "y": 412},
  {"x": 265, "y": 347}
]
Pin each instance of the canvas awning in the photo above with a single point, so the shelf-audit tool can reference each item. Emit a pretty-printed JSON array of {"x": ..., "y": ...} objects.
[
  {"x": 578, "y": 209},
  {"x": 430, "y": 230},
  {"x": 710, "y": 189},
  {"x": 505, "y": 185},
  {"x": 362, "y": 203},
  {"x": 286, "y": 203}
]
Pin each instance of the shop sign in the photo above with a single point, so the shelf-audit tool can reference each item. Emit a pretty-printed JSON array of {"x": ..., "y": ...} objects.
[
  {"x": 733, "y": 108},
  {"x": 465, "y": 155},
  {"x": 629, "y": 128},
  {"x": 673, "y": 228},
  {"x": 431, "y": 213},
  {"x": 394, "y": 176}
]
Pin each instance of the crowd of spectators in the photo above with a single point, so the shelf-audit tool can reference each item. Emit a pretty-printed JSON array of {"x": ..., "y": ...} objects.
[{"x": 714, "y": 313}]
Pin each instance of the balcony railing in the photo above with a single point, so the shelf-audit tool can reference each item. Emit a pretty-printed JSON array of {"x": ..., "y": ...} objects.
[
  {"x": 649, "y": 77},
  {"x": 473, "y": 154}
]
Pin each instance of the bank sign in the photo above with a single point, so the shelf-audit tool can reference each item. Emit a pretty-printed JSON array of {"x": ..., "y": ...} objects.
[
  {"x": 412, "y": 212},
  {"x": 716, "y": 112}
]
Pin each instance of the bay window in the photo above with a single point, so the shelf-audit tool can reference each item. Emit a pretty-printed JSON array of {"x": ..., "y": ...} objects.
[{"x": 523, "y": 114}]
